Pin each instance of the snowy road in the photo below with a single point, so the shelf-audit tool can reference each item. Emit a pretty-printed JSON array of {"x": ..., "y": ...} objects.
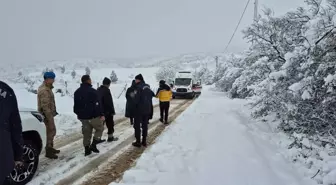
[
  {"x": 212, "y": 143},
  {"x": 72, "y": 164}
]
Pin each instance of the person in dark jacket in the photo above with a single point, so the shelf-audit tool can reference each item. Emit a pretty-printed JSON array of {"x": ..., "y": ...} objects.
[
  {"x": 164, "y": 94},
  {"x": 89, "y": 111},
  {"x": 11, "y": 142},
  {"x": 143, "y": 110},
  {"x": 108, "y": 106},
  {"x": 130, "y": 102}
]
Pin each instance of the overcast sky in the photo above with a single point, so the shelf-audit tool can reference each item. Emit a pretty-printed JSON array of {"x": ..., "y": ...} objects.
[{"x": 32, "y": 30}]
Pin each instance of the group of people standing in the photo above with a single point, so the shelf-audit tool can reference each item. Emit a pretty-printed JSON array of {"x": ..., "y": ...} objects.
[{"x": 94, "y": 108}]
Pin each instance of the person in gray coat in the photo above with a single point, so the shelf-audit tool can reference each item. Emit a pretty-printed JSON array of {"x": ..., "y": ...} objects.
[{"x": 11, "y": 142}]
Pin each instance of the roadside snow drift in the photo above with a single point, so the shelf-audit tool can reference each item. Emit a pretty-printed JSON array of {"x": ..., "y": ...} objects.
[{"x": 212, "y": 143}]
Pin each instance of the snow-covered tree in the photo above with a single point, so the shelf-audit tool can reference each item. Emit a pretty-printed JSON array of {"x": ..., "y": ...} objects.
[
  {"x": 205, "y": 75},
  {"x": 167, "y": 72},
  {"x": 87, "y": 71},
  {"x": 73, "y": 74},
  {"x": 290, "y": 71},
  {"x": 62, "y": 68},
  {"x": 113, "y": 76},
  {"x": 47, "y": 70}
]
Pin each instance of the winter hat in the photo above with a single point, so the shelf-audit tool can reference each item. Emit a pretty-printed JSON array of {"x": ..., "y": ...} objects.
[
  {"x": 139, "y": 77},
  {"x": 133, "y": 82},
  {"x": 49, "y": 75},
  {"x": 85, "y": 78},
  {"x": 106, "y": 81},
  {"x": 162, "y": 82}
]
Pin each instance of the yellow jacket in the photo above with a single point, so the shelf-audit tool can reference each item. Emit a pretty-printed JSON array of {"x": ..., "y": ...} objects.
[{"x": 164, "y": 95}]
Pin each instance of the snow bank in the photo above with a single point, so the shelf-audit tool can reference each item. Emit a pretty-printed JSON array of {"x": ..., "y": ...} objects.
[{"x": 215, "y": 142}]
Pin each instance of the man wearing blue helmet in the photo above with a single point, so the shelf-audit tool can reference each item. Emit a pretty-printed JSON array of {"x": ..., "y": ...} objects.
[{"x": 46, "y": 105}]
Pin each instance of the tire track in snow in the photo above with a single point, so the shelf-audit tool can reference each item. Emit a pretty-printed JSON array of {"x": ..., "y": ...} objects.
[
  {"x": 114, "y": 169},
  {"x": 72, "y": 155},
  {"x": 77, "y": 135}
]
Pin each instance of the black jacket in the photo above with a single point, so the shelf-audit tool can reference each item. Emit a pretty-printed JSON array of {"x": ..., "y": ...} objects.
[
  {"x": 130, "y": 102},
  {"x": 10, "y": 131},
  {"x": 106, "y": 100},
  {"x": 86, "y": 102},
  {"x": 143, "y": 100}
]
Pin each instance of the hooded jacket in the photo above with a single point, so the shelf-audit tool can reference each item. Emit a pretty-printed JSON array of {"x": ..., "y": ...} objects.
[
  {"x": 106, "y": 100},
  {"x": 143, "y": 100}
]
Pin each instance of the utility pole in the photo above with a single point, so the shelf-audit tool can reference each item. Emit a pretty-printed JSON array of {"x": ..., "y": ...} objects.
[
  {"x": 216, "y": 58},
  {"x": 255, "y": 18}
]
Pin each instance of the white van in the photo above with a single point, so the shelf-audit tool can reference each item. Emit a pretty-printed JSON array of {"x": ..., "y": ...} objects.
[{"x": 185, "y": 85}]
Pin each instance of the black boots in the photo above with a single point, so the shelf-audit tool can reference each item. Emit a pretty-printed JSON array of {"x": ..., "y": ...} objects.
[
  {"x": 92, "y": 148},
  {"x": 111, "y": 138},
  {"x": 144, "y": 142},
  {"x": 51, "y": 153},
  {"x": 87, "y": 151},
  {"x": 138, "y": 144},
  {"x": 100, "y": 141}
]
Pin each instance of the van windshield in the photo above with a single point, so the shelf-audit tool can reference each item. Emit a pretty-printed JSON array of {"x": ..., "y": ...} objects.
[{"x": 182, "y": 81}]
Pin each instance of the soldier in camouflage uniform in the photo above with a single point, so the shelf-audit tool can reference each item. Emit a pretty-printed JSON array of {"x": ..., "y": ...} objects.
[{"x": 46, "y": 105}]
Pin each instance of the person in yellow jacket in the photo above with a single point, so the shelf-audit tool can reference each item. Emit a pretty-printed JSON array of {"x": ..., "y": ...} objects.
[{"x": 164, "y": 94}]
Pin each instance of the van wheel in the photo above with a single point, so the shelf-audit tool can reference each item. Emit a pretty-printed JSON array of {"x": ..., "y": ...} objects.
[{"x": 23, "y": 175}]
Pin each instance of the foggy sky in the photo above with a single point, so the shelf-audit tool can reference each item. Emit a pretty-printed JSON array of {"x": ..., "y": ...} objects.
[{"x": 42, "y": 30}]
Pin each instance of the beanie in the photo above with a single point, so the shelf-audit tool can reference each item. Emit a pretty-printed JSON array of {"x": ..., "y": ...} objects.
[
  {"x": 85, "y": 78},
  {"x": 162, "y": 82},
  {"x": 106, "y": 81},
  {"x": 49, "y": 75},
  {"x": 139, "y": 77}
]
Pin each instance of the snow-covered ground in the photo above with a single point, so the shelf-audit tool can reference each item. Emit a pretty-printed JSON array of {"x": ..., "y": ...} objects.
[
  {"x": 215, "y": 142},
  {"x": 66, "y": 122}
]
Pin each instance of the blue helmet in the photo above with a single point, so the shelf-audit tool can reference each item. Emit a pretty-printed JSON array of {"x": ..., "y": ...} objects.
[{"x": 49, "y": 75}]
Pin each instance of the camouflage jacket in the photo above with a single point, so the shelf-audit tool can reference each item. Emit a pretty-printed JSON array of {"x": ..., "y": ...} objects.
[{"x": 46, "y": 100}]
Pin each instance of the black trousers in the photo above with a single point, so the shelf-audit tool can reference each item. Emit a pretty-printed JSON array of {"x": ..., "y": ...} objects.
[
  {"x": 110, "y": 125},
  {"x": 141, "y": 123},
  {"x": 132, "y": 120},
  {"x": 164, "y": 109}
]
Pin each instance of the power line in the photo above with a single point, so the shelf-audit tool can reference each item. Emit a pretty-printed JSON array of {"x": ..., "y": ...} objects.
[{"x": 241, "y": 17}]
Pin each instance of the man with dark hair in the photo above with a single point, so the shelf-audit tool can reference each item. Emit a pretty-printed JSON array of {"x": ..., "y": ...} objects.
[
  {"x": 108, "y": 108},
  {"x": 46, "y": 106},
  {"x": 10, "y": 132},
  {"x": 164, "y": 94},
  {"x": 89, "y": 111},
  {"x": 143, "y": 110}
]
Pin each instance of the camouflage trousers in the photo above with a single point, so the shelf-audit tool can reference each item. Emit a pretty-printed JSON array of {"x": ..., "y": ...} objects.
[
  {"x": 51, "y": 131},
  {"x": 87, "y": 130}
]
